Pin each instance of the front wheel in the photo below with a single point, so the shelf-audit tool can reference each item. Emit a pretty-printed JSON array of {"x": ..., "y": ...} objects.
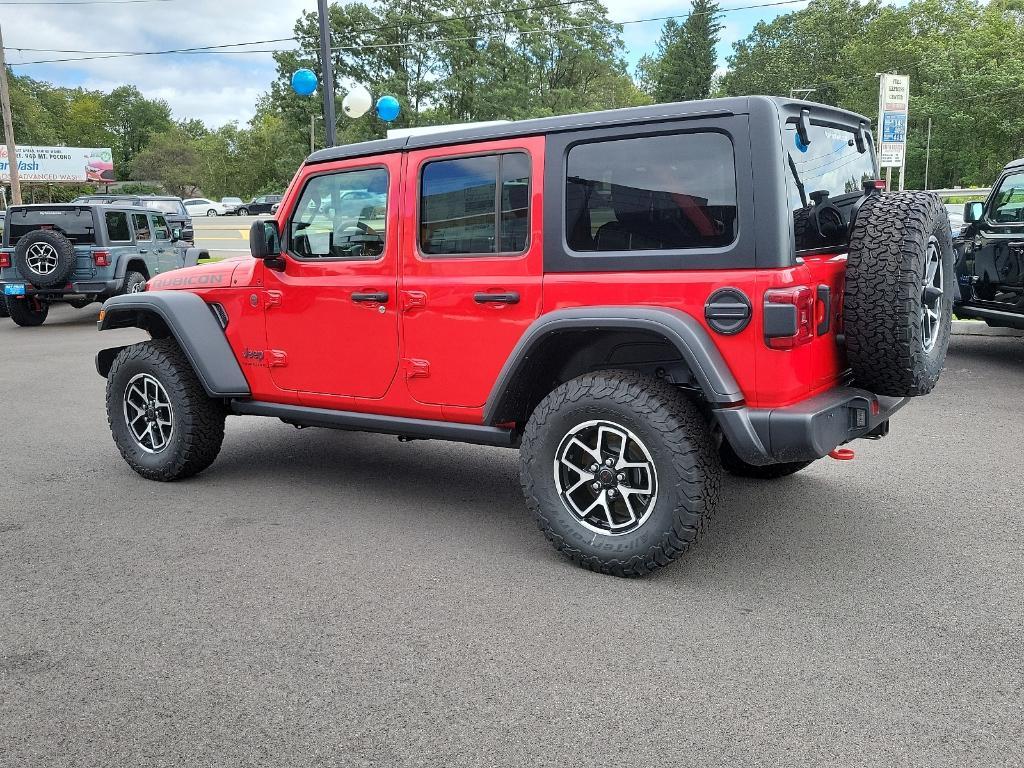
[
  {"x": 243, "y": 211},
  {"x": 162, "y": 421},
  {"x": 619, "y": 471},
  {"x": 28, "y": 312},
  {"x": 211, "y": 212}
]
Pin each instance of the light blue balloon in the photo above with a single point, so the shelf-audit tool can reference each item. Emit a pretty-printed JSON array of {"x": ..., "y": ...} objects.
[
  {"x": 304, "y": 81},
  {"x": 388, "y": 108}
]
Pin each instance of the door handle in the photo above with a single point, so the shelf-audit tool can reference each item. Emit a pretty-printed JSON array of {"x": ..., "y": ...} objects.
[
  {"x": 377, "y": 297},
  {"x": 496, "y": 298},
  {"x": 143, "y": 250}
]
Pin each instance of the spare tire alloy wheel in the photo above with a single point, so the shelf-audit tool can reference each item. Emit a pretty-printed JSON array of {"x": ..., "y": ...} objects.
[
  {"x": 606, "y": 477},
  {"x": 45, "y": 257},
  {"x": 148, "y": 413},
  {"x": 931, "y": 296}
]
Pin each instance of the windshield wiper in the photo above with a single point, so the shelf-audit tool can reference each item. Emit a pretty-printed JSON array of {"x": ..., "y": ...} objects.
[{"x": 796, "y": 178}]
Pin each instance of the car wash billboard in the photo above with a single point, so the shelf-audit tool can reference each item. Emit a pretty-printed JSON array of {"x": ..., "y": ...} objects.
[
  {"x": 56, "y": 164},
  {"x": 893, "y": 106}
]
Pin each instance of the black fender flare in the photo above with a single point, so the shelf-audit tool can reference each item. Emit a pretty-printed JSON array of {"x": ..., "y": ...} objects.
[
  {"x": 688, "y": 336},
  {"x": 193, "y": 255},
  {"x": 193, "y": 326}
]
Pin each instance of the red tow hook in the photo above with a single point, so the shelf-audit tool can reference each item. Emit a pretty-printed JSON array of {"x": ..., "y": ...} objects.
[{"x": 842, "y": 454}]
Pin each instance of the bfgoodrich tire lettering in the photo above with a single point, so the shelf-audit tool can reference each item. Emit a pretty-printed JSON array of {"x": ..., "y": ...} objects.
[
  {"x": 670, "y": 429},
  {"x": 198, "y": 422},
  {"x": 897, "y": 310}
]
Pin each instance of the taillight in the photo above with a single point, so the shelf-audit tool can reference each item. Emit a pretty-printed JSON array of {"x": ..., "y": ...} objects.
[
  {"x": 101, "y": 258},
  {"x": 788, "y": 317},
  {"x": 5, "y": 260}
]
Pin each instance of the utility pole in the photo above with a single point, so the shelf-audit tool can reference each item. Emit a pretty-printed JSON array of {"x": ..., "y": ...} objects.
[
  {"x": 5, "y": 105},
  {"x": 312, "y": 134},
  {"x": 927, "y": 153},
  {"x": 327, "y": 73}
]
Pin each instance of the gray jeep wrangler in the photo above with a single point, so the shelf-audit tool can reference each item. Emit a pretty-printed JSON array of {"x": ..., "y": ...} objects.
[{"x": 79, "y": 253}]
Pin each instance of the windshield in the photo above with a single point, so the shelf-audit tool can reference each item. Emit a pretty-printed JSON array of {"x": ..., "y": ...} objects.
[
  {"x": 1008, "y": 203},
  {"x": 164, "y": 206}
]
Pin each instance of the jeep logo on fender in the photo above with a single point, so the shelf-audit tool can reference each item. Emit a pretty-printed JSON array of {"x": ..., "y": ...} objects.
[
  {"x": 253, "y": 354},
  {"x": 180, "y": 282}
]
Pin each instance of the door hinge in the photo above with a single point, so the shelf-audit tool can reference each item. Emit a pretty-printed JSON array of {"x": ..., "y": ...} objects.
[
  {"x": 276, "y": 358},
  {"x": 416, "y": 369},
  {"x": 413, "y": 300},
  {"x": 273, "y": 299}
]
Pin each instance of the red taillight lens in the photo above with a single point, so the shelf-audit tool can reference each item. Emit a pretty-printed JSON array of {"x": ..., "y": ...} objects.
[
  {"x": 788, "y": 317},
  {"x": 5, "y": 260},
  {"x": 101, "y": 258}
]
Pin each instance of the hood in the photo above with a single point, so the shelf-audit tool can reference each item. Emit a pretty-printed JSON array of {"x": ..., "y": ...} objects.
[{"x": 215, "y": 275}]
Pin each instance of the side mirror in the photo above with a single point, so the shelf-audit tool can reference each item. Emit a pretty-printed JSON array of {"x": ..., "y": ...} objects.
[
  {"x": 176, "y": 233},
  {"x": 973, "y": 211},
  {"x": 264, "y": 240}
]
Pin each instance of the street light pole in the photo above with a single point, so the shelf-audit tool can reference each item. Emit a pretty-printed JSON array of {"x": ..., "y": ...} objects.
[
  {"x": 327, "y": 73},
  {"x": 5, "y": 106}
]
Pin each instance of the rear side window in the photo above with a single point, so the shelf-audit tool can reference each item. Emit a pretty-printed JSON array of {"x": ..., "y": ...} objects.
[
  {"x": 142, "y": 230},
  {"x": 74, "y": 224},
  {"x": 475, "y": 205},
  {"x": 651, "y": 193},
  {"x": 117, "y": 227}
]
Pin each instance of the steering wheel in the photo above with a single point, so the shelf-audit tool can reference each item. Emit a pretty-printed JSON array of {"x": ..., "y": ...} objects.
[{"x": 362, "y": 242}]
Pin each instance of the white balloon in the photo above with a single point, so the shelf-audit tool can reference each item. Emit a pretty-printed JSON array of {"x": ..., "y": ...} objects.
[{"x": 357, "y": 102}]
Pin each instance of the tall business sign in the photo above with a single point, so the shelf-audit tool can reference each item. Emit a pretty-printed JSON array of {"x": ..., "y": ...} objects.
[{"x": 893, "y": 106}]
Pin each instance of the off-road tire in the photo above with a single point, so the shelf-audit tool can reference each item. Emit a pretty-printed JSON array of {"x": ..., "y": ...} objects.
[
  {"x": 678, "y": 439},
  {"x": 62, "y": 248},
  {"x": 134, "y": 282},
  {"x": 734, "y": 465},
  {"x": 28, "y": 313},
  {"x": 198, "y": 421},
  {"x": 882, "y": 304},
  {"x": 3, "y": 307}
]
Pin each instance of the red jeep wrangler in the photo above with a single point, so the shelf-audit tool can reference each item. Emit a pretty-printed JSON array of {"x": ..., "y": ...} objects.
[{"x": 636, "y": 299}]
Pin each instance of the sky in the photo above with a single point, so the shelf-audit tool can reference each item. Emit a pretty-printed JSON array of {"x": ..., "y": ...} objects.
[{"x": 218, "y": 88}]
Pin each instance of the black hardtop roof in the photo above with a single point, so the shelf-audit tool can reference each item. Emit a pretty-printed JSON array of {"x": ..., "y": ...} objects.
[
  {"x": 1014, "y": 164},
  {"x": 115, "y": 196},
  {"x": 87, "y": 204},
  {"x": 708, "y": 108}
]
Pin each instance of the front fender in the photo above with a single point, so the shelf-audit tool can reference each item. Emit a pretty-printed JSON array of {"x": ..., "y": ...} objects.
[
  {"x": 694, "y": 343},
  {"x": 189, "y": 320}
]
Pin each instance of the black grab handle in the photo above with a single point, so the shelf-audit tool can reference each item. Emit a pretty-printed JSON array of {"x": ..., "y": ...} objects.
[{"x": 496, "y": 298}]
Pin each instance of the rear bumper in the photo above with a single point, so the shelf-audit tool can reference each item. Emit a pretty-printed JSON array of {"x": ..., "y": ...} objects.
[
  {"x": 101, "y": 289},
  {"x": 809, "y": 429}
]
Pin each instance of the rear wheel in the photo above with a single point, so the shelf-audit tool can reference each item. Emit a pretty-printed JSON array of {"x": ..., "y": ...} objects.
[
  {"x": 619, "y": 471},
  {"x": 27, "y": 312},
  {"x": 211, "y": 212},
  {"x": 734, "y": 465},
  {"x": 243, "y": 211},
  {"x": 162, "y": 421},
  {"x": 134, "y": 282}
]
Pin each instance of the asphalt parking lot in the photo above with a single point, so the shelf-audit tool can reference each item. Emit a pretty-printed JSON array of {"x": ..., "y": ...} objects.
[{"x": 328, "y": 598}]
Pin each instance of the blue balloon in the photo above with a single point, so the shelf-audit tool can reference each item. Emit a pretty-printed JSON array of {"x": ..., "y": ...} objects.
[
  {"x": 388, "y": 108},
  {"x": 304, "y": 81}
]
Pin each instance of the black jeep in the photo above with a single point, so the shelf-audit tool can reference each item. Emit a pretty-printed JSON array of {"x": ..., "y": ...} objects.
[{"x": 990, "y": 253}]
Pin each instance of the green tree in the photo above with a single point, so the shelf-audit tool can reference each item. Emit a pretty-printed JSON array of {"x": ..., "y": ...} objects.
[
  {"x": 132, "y": 119},
  {"x": 683, "y": 68},
  {"x": 171, "y": 159}
]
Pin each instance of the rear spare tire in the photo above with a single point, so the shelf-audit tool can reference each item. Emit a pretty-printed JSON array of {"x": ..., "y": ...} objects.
[
  {"x": 45, "y": 258},
  {"x": 898, "y": 302}
]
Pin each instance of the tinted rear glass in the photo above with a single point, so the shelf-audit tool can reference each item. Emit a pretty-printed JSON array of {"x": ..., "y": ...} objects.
[
  {"x": 172, "y": 207},
  {"x": 117, "y": 227},
  {"x": 74, "y": 224},
  {"x": 651, "y": 193}
]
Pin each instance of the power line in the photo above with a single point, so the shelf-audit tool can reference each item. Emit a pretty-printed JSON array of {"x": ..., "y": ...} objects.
[
  {"x": 81, "y": 2},
  {"x": 413, "y": 43}
]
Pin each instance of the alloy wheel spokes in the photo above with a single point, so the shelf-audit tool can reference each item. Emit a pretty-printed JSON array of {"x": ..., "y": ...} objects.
[
  {"x": 932, "y": 290},
  {"x": 42, "y": 258},
  {"x": 148, "y": 413},
  {"x": 606, "y": 477}
]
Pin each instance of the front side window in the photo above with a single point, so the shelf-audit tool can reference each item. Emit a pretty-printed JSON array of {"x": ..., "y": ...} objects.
[
  {"x": 465, "y": 211},
  {"x": 161, "y": 229},
  {"x": 1008, "y": 203},
  {"x": 341, "y": 216},
  {"x": 117, "y": 227},
  {"x": 142, "y": 230},
  {"x": 651, "y": 193}
]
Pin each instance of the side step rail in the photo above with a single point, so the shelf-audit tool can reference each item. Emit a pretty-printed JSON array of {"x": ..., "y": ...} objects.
[{"x": 412, "y": 429}]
